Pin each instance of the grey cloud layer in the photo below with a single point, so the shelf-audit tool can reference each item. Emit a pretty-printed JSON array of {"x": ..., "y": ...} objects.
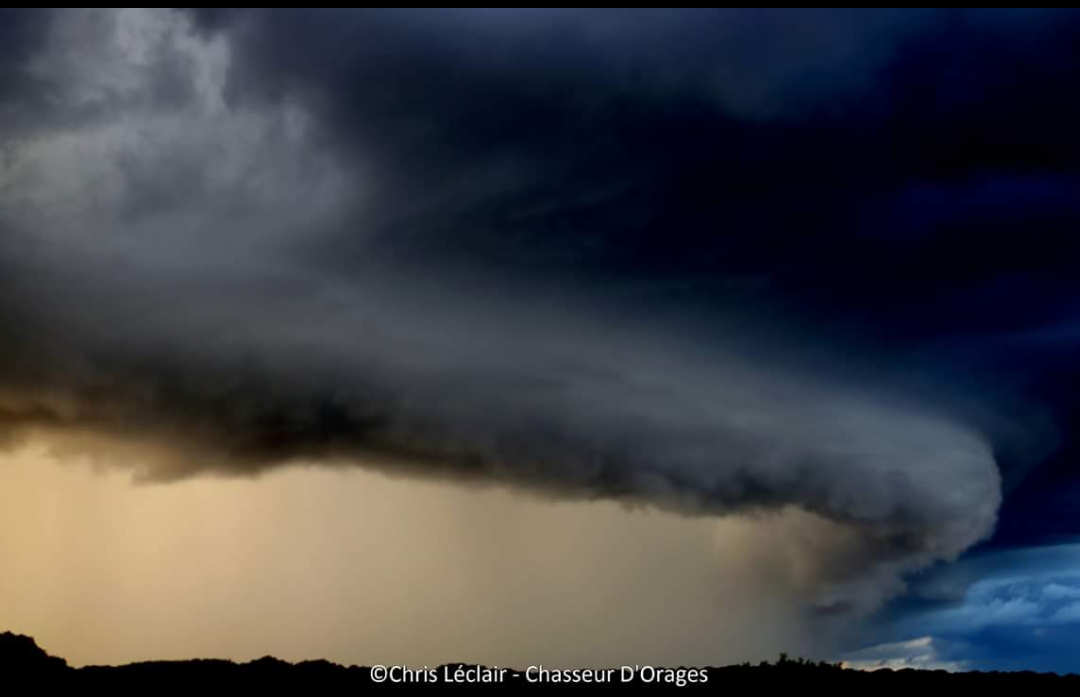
[{"x": 202, "y": 275}]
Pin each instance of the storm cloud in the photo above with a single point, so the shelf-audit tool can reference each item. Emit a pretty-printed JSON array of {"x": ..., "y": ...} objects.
[{"x": 760, "y": 263}]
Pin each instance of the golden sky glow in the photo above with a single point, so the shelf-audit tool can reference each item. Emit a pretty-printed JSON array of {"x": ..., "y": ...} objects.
[{"x": 360, "y": 568}]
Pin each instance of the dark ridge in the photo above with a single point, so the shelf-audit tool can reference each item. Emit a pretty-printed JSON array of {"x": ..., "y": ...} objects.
[
  {"x": 21, "y": 658},
  {"x": 21, "y": 654}
]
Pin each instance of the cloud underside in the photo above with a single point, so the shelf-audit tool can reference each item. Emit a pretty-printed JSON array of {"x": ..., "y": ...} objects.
[{"x": 242, "y": 240}]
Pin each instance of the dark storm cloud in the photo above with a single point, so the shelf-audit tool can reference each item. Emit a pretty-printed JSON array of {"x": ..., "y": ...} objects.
[
  {"x": 807, "y": 148},
  {"x": 638, "y": 141},
  {"x": 22, "y": 32},
  {"x": 898, "y": 177},
  {"x": 720, "y": 262}
]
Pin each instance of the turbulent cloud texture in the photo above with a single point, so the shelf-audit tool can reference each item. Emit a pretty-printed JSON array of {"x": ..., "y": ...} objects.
[
  {"x": 995, "y": 610},
  {"x": 646, "y": 257}
]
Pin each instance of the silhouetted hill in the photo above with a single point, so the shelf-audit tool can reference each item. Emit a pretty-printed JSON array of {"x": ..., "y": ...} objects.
[
  {"x": 21, "y": 654},
  {"x": 21, "y": 658}
]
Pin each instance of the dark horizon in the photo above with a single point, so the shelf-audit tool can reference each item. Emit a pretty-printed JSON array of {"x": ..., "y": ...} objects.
[
  {"x": 567, "y": 336},
  {"x": 21, "y": 656}
]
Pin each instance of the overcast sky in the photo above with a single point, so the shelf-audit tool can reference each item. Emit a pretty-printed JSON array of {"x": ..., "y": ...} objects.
[{"x": 445, "y": 335}]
